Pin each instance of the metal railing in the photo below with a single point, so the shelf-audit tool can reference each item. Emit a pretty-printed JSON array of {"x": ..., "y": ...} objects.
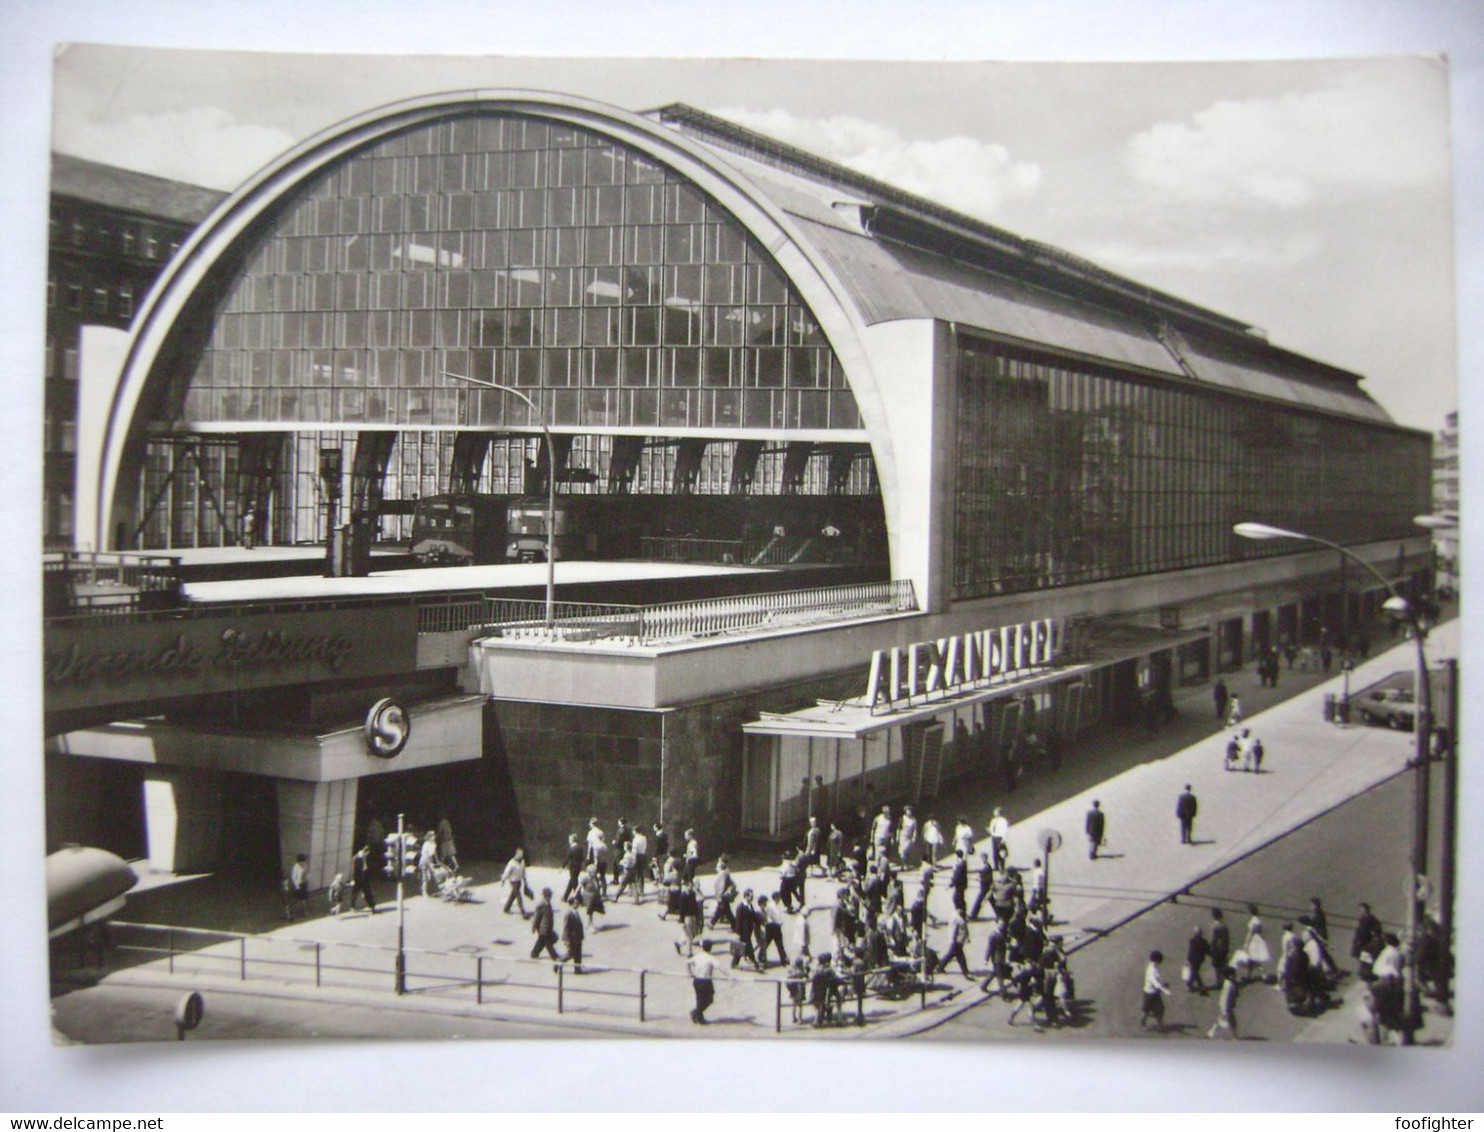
[
  {"x": 537, "y": 984},
  {"x": 452, "y": 613},
  {"x": 715, "y": 616},
  {"x": 690, "y": 549},
  {"x": 694, "y": 620},
  {"x": 776, "y": 550},
  {"x": 108, "y": 582}
]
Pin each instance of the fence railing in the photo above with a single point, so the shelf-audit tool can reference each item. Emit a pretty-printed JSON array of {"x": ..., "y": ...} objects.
[
  {"x": 534, "y": 984},
  {"x": 777, "y": 550},
  {"x": 693, "y": 620},
  {"x": 714, "y": 616},
  {"x": 690, "y": 549},
  {"x": 108, "y": 582}
]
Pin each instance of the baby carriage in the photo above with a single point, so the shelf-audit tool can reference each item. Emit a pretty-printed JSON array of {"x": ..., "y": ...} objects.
[{"x": 452, "y": 887}]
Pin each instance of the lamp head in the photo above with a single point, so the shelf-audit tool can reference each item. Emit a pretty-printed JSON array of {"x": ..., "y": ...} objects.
[
  {"x": 1443, "y": 521},
  {"x": 1262, "y": 531},
  {"x": 1398, "y": 605}
]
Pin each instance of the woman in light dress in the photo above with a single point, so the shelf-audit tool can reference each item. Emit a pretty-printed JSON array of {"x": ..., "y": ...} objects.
[
  {"x": 1258, "y": 954},
  {"x": 933, "y": 835}
]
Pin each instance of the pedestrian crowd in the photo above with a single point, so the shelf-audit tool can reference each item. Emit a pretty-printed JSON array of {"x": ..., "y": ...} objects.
[
  {"x": 1301, "y": 968},
  {"x": 846, "y": 918}
]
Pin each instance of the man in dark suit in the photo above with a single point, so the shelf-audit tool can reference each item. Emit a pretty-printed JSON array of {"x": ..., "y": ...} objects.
[
  {"x": 958, "y": 882},
  {"x": 361, "y": 876},
  {"x": 1185, "y": 809},
  {"x": 576, "y": 859},
  {"x": 1367, "y": 934},
  {"x": 573, "y": 935},
  {"x": 543, "y": 924},
  {"x": 1095, "y": 825},
  {"x": 1220, "y": 948},
  {"x": 745, "y": 922},
  {"x": 986, "y": 883}
]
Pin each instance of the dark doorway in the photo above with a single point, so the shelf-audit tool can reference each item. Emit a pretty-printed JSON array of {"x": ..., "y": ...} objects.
[
  {"x": 457, "y": 791},
  {"x": 250, "y": 825}
]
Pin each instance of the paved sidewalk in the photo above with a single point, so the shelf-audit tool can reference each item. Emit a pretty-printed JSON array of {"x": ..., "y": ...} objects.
[{"x": 1310, "y": 767}]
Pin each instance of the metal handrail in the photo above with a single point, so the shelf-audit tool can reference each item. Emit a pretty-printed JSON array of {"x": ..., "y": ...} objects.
[
  {"x": 673, "y": 549},
  {"x": 851, "y": 985},
  {"x": 716, "y": 616},
  {"x": 704, "y": 617}
]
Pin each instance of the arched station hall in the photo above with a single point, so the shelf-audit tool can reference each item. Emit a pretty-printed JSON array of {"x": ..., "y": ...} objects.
[{"x": 1004, "y": 479}]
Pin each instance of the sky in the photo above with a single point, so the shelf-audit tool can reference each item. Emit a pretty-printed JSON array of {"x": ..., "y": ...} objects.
[
  {"x": 1175, "y": 175},
  {"x": 1309, "y": 199}
]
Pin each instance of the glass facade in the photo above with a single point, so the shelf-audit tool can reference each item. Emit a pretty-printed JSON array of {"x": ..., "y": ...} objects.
[
  {"x": 520, "y": 251},
  {"x": 1067, "y": 476}
]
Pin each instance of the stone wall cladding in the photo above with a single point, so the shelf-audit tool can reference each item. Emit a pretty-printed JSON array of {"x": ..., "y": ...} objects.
[{"x": 570, "y": 763}]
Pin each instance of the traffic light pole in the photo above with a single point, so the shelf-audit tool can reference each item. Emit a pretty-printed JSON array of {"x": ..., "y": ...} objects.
[
  {"x": 1447, "y": 874},
  {"x": 401, "y": 910}
]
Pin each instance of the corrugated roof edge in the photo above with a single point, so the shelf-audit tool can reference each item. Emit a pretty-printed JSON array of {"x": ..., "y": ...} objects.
[
  {"x": 739, "y": 139},
  {"x": 142, "y": 193},
  {"x": 912, "y": 210}
]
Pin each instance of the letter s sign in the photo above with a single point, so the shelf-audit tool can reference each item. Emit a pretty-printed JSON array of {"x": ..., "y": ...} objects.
[{"x": 388, "y": 727}]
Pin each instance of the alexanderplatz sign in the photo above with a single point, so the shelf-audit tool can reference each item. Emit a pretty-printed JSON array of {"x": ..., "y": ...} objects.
[{"x": 961, "y": 663}]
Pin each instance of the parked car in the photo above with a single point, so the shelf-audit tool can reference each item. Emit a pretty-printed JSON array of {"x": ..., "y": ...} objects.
[{"x": 1392, "y": 707}]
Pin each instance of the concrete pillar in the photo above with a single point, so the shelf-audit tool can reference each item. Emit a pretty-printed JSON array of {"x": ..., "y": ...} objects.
[
  {"x": 319, "y": 819},
  {"x": 183, "y": 819},
  {"x": 915, "y": 448}
]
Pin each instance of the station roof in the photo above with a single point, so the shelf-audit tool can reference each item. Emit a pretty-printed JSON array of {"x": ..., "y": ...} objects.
[
  {"x": 448, "y": 579},
  {"x": 905, "y": 257}
]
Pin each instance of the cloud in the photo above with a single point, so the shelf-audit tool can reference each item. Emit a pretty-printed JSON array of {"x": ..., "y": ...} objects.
[
  {"x": 1211, "y": 253},
  {"x": 964, "y": 173},
  {"x": 1293, "y": 150},
  {"x": 203, "y": 146}
]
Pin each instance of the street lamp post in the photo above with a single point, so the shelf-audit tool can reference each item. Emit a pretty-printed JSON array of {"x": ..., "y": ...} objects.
[
  {"x": 550, "y": 489},
  {"x": 1422, "y": 728},
  {"x": 1447, "y": 521}
]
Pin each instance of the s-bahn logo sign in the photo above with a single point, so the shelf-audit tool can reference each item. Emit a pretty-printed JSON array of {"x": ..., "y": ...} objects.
[
  {"x": 388, "y": 727},
  {"x": 962, "y": 662}
]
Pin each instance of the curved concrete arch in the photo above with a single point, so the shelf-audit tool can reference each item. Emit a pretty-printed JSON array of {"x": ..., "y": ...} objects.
[{"x": 232, "y": 221}]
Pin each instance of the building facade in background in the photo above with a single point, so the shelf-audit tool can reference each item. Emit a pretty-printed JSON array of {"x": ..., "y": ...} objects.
[
  {"x": 1445, "y": 502},
  {"x": 112, "y": 231}
]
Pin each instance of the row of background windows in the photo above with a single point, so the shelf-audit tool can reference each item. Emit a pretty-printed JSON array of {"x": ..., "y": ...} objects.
[
  {"x": 678, "y": 323},
  {"x": 554, "y": 367},
  {"x": 117, "y": 301},
  {"x": 616, "y": 284},
  {"x": 1067, "y": 477},
  {"x": 596, "y": 408},
  {"x": 588, "y": 266},
  {"x": 130, "y": 240}
]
